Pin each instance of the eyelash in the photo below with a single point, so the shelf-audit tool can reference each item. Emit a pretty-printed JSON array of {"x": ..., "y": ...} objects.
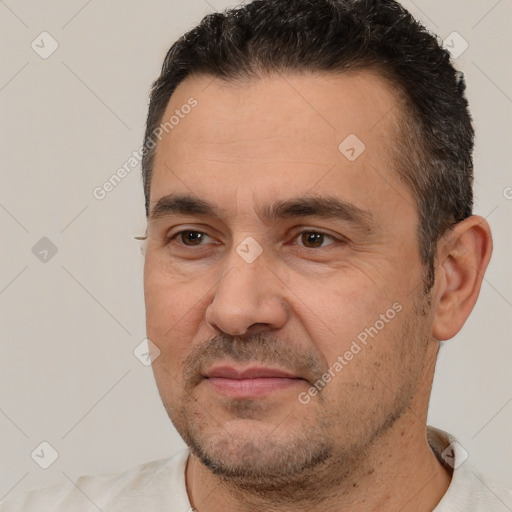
[{"x": 300, "y": 233}]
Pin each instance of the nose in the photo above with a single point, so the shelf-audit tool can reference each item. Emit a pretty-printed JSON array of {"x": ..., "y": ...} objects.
[{"x": 248, "y": 298}]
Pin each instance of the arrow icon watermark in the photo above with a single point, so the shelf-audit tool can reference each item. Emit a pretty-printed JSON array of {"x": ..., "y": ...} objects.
[
  {"x": 455, "y": 44},
  {"x": 44, "y": 250},
  {"x": 249, "y": 249},
  {"x": 44, "y": 45},
  {"x": 351, "y": 147},
  {"x": 44, "y": 455}
]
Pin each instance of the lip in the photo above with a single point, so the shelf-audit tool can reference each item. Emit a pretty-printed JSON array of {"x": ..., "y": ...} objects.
[
  {"x": 253, "y": 372},
  {"x": 250, "y": 382}
]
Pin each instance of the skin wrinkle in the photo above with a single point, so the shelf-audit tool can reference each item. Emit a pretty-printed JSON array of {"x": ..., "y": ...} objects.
[{"x": 293, "y": 308}]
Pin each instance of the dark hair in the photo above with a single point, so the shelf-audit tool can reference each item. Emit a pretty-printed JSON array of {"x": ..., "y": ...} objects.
[{"x": 434, "y": 143}]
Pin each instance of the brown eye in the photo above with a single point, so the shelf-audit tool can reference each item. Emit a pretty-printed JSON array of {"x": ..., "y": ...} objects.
[
  {"x": 312, "y": 239},
  {"x": 191, "y": 237}
]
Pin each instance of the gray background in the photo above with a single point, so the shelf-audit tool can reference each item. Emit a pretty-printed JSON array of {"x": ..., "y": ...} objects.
[{"x": 71, "y": 320}]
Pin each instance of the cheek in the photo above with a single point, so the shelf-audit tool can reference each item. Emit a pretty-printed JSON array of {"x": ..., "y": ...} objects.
[
  {"x": 171, "y": 324},
  {"x": 336, "y": 311},
  {"x": 375, "y": 359},
  {"x": 174, "y": 310}
]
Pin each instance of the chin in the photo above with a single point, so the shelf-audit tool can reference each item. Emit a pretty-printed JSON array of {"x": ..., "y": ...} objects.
[{"x": 254, "y": 453}]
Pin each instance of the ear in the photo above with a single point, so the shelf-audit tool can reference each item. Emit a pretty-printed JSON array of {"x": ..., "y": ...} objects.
[{"x": 462, "y": 258}]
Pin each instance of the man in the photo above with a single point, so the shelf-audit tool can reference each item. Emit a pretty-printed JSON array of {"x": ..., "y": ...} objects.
[{"x": 310, "y": 243}]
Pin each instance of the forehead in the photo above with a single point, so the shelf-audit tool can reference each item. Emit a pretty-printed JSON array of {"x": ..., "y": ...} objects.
[{"x": 285, "y": 133}]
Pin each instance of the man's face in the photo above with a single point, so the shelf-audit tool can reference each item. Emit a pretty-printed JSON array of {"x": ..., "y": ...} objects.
[{"x": 277, "y": 259}]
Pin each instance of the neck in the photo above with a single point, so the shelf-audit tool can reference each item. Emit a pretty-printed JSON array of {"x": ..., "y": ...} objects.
[{"x": 398, "y": 472}]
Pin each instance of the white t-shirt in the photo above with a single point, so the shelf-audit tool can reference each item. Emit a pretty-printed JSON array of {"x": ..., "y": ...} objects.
[{"x": 159, "y": 486}]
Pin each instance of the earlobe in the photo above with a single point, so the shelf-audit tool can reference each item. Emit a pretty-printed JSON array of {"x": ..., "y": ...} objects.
[{"x": 463, "y": 257}]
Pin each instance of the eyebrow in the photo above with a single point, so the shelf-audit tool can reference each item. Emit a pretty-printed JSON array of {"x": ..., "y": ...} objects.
[{"x": 322, "y": 207}]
